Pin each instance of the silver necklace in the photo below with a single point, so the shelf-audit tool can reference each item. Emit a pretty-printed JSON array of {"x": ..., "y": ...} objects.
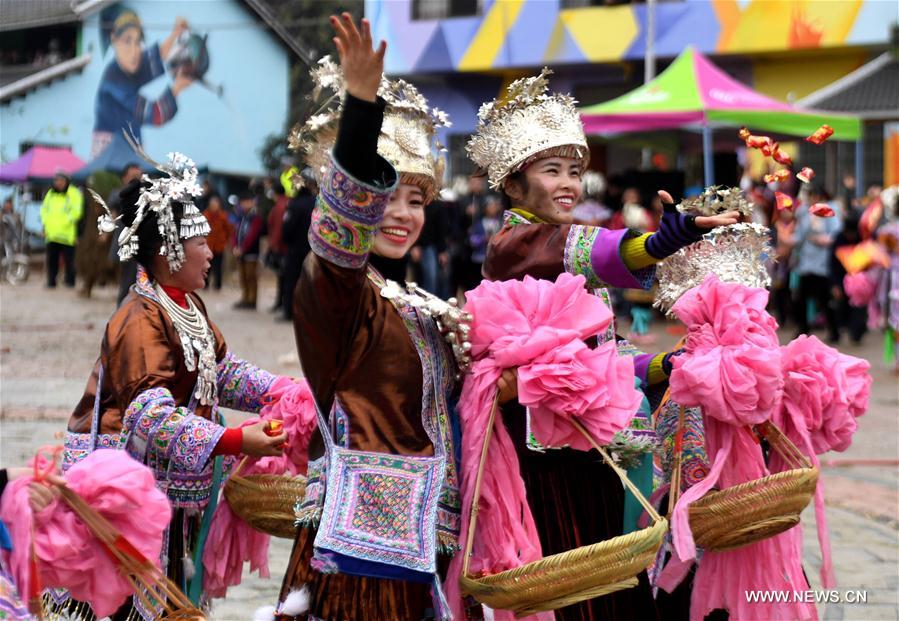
[
  {"x": 197, "y": 341},
  {"x": 453, "y": 322}
]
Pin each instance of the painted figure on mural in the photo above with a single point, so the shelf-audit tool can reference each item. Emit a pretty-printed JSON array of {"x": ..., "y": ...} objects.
[{"x": 119, "y": 104}]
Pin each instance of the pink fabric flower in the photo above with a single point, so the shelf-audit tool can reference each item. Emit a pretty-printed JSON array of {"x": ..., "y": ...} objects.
[
  {"x": 69, "y": 557},
  {"x": 595, "y": 386},
  {"x": 824, "y": 393},
  {"x": 537, "y": 327},
  {"x": 731, "y": 366}
]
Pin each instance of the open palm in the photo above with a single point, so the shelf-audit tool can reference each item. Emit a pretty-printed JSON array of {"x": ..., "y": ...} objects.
[{"x": 361, "y": 64}]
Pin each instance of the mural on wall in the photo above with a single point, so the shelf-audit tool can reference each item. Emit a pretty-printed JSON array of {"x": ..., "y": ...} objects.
[
  {"x": 208, "y": 79},
  {"x": 120, "y": 105},
  {"x": 510, "y": 34}
]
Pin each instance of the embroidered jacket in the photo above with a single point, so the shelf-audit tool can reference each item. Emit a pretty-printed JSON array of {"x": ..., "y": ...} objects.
[
  {"x": 383, "y": 372},
  {"x": 146, "y": 403}
]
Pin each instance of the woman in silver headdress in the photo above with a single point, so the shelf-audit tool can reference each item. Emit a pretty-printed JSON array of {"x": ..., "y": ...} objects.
[
  {"x": 163, "y": 372},
  {"x": 531, "y": 146},
  {"x": 381, "y": 506}
]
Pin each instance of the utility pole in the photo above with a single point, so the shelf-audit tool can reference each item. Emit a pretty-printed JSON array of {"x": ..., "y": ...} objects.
[{"x": 649, "y": 64}]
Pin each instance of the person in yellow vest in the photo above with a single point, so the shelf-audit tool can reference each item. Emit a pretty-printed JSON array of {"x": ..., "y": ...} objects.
[
  {"x": 287, "y": 180},
  {"x": 62, "y": 209}
]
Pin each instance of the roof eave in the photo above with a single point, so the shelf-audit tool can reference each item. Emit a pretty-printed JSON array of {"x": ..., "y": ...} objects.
[
  {"x": 30, "y": 82},
  {"x": 306, "y": 53},
  {"x": 815, "y": 99}
]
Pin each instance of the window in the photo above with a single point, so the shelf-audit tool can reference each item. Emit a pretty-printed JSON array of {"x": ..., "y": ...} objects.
[{"x": 441, "y": 9}]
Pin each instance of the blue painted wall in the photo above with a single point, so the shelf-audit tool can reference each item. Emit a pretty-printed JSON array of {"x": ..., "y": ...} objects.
[{"x": 224, "y": 133}]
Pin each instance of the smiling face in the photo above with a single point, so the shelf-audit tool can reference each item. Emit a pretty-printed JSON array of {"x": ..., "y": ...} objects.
[
  {"x": 192, "y": 275},
  {"x": 551, "y": 189},
  {"x": 401, "y": 226},
  {"x": 127, "y": 49}
]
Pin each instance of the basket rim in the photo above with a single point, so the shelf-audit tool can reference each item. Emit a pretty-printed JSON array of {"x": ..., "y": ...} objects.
[
  {"x": 656, "y": 531},
  {"x": 798, "y": 474}
]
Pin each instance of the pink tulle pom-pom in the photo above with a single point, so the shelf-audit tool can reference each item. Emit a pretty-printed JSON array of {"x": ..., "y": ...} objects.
[
  {"x": 731, "y": 366},
  {"x": 824, "y": 392},
  {"x": 860, "y": 288},
  {"x": 594, "y": 386}
]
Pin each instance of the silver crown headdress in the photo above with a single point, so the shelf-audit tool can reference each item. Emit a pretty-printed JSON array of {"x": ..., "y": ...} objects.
[
  {"x": 179, "y": 185},
  {"x": 738, "y": 253},
  {"x": 408, "y": 133},
  {"x": 526, "y": 124}
]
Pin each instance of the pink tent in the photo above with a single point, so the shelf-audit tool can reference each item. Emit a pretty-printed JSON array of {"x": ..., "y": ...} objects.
[{"x": 40, "y": 163}]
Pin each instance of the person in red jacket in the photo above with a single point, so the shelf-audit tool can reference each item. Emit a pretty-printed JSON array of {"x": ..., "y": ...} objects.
[{"x": 221, "y": 231}]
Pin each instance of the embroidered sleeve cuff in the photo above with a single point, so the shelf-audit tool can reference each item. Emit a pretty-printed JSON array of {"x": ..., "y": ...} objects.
[
  {"x": 346, "y": 216},
  {"x": 194, "y": 443},
  {"x": 242, "y": 385},
  {"x": 595, "y": 252}
]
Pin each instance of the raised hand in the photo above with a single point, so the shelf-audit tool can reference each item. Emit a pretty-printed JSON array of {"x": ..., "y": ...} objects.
[{"x": 362, "y": 65}]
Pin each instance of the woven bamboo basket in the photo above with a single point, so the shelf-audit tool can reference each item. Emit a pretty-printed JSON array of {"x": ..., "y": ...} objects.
[
  {"x": 151, "y": 586},
  {"x": 743, "y": 514},
  {"x": 569, "y": 577},
  {"x": 266, "y": 501}
]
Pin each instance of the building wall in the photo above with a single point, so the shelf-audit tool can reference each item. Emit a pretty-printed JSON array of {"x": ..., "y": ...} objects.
[
  {"x": 223, "y": 133},
  {"x": 509, "y": 34},
  {"x": 785, "y": 49}
]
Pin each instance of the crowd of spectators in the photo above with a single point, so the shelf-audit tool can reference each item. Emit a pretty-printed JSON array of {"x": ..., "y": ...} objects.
[{"x": 266, "y": 226}]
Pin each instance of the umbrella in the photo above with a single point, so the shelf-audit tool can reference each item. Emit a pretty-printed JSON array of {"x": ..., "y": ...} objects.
[{"x": 40, "y": 163}]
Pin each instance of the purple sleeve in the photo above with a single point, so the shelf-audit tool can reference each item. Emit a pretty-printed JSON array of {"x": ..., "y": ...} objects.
[
  {"x": 242, "y": 385},
  {"x": 641, "y": 367},
  {"x": 595, "y": 252},
  {"x": 162, "y": 435}
]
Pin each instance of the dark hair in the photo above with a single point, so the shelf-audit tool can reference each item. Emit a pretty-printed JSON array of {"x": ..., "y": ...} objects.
[
  {"x": 128, "y": 167},
  {"x": 148, "y": 230},
  {"x": 519, "y": 177},
  {"x": 816, "y": 189}
]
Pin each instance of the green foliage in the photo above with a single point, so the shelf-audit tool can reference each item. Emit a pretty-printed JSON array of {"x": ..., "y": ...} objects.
[
  {"x": 103, "y": 182},
  {"x": 306, "y": 20}
]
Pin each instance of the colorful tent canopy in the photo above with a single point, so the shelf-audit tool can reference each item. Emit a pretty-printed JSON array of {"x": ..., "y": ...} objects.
[
  {"x": 693, "y": 92},
  {"x": 40, "y": 163},
  {"x": 117, "y": 154}
]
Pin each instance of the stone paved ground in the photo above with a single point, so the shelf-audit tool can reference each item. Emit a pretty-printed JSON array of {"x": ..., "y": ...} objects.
[{"x": 50, "y": 339}]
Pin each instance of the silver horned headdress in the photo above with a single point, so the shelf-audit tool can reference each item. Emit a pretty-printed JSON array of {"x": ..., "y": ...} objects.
[
  {"x": 408, "y": 137},
  {"x": 525, "y": 125},
  {"x": 178, "y": 185},
  {"x": 737, "y": 253}
]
